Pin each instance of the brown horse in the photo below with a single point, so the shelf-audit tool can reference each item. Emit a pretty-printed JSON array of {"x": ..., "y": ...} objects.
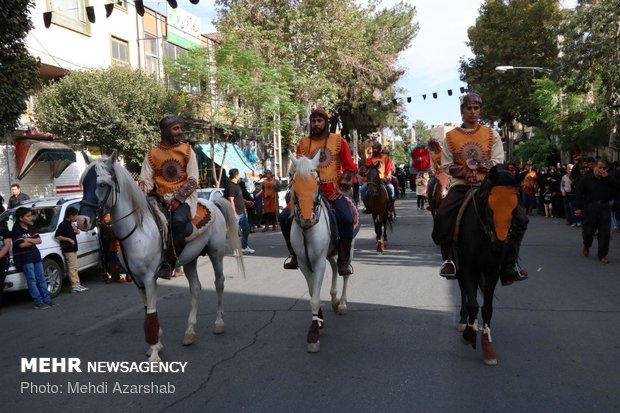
[{"x": 379, "y": 206}]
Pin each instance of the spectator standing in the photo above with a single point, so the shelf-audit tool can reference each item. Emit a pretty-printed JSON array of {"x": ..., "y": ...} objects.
[
  {"x": 421, "y": 183},
  {"x": 554, "y": 179},
  {"x": 568, "y": 196},
  {"x": 547, "y": 199},
  {"x": 248, "y": 199},
  {"x": 541, "y": 180},
  {"x": 5, "y": 247},
  {"x": 528, "y": 187},
  {"x": 270, "y": 200},
  {"x": 258, "y": 203},
  {"x": 26, "y": 256},
  {"x": 594, "y": 192},
  {"x": 2, "y": 208},
  {"x": 401, "y": 176},
  {"x": 234, "y": 194},
  {"x": 17, "y": 196},
  {"x": 66, "y": 234}
]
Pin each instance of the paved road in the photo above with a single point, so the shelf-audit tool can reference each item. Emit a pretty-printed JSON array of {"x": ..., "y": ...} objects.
[{"x": 556, "y": 336}]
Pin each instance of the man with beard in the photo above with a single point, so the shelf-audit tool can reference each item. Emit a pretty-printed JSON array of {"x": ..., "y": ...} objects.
[
  {"x": 336, "y": 170},
  {"x": 468, "y": 154},
  {"x": 384, "y": 167},
  {"x": 171, "y": 170}
]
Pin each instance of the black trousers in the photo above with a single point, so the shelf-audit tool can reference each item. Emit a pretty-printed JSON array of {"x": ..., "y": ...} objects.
[{"x": 597, "y": 216}]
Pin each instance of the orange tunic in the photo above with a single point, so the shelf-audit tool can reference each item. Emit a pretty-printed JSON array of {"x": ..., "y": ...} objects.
[
  {"x": 170, "y": 164},
  {"x": 476, "y": 144},
  {"x": 270, "y": 196}
]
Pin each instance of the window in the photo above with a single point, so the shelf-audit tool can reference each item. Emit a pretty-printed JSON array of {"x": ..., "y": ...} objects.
[
  {"x": 151, "y": 55},
  {"x": 121, "y": 4},
  {"x": 120, "y": 51},
  {"x": 70, "y": 14}
]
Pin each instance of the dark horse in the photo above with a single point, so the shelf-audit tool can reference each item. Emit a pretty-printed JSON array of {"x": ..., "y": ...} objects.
[
  {"x": 379, "y": 205},
  {"x": 481, "y": 238}
]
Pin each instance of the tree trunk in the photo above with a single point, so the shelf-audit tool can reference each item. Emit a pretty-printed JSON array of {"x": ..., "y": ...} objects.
[{"x": 613, "y": 133}]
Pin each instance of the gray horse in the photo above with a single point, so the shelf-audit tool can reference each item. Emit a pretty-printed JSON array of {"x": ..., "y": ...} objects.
[{"x": 107, "y": 185}]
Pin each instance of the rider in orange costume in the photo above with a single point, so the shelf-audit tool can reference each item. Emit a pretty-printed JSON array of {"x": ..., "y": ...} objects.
[{"x": 468, "y": 154}]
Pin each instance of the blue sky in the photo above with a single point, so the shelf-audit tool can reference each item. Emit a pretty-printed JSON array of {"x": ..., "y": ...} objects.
[{"x": 431, "y": 62}]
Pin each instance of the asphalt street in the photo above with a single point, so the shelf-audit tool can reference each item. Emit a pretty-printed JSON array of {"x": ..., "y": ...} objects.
[{"x": 396, "y": 350}]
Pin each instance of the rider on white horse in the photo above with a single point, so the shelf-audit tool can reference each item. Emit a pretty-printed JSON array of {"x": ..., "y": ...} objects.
[
  {"x": 336, "y": 170},
  {"x": 171, "y": 169}
]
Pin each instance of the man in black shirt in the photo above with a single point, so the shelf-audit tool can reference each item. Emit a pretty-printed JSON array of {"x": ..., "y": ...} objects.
[
  {"x": 594, "y": 191},
  {"x": 234, "y": 194},
  {"x": 66, "y": 234},
  {"x": 18, "y": 196},
  {"x": 5, "y": 246}
]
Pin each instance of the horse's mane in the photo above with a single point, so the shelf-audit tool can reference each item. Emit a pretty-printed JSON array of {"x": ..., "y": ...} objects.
[{"x": 125, "y": 182}]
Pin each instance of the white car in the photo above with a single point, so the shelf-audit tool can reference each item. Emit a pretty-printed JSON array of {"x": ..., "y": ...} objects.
[
  {"x": 48, "y": 213},
  {"x": 210, "y": 193}
]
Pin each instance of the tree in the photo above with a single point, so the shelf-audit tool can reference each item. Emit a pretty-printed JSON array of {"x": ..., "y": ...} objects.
[
  {"x": 239, "y": 89},
  {"x": 510, "y": 32},
  {"x": 115, "y": 108},
  {"x": 575, "y": 118},
  {"x": 591, "y": 56},
  {"x": 18, "y": 69},
  {"x": 536, "y": 149},
  {"x": 344, "y": 55}
]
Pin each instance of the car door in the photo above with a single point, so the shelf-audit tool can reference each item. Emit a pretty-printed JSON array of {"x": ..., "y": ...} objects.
[{"x": 88, "y": 245}]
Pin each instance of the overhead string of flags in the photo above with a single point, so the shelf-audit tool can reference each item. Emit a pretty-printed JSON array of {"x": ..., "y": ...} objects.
[
  {"x": 109, "y": 8},
  {"x": 396, "y": 101}
]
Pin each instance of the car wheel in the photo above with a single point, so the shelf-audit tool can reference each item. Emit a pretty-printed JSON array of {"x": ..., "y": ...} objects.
[{"x": 53, "y": 276}]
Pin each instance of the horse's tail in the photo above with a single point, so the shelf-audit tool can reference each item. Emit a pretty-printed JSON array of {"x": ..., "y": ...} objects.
[{"x": 232, "y": 230}]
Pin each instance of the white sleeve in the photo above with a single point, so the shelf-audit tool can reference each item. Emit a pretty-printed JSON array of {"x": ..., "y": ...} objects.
[
  {"x": 146, "y": 176},
  {"x": 497, "y": 151}
]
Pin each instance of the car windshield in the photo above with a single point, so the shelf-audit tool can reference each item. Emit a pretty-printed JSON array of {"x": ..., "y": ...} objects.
[{"x": 44, "y": 219}]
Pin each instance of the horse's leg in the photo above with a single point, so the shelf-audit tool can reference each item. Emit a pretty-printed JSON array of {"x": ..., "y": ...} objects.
[
  {"x": 379, "y": 233},
  {"x": 194, "y": 288},
  {"x": 217, "y": 261},
  {"x": 314, "y": 344},
  {"x": 488, "y": 353},
  {"x": 333, "y": 291},
  {"x": 468, "y": 287},
  {"x": 152, "y": 331},
  {"x": 463, "y": 313}
]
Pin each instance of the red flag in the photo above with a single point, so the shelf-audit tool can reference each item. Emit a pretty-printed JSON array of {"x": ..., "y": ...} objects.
[{"x": 419, "y": 159}]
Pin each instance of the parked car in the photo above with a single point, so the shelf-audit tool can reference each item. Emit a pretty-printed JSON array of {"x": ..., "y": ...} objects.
[
  {"x": 48, "y": 213},
  {"x": 210, "y": 193}
]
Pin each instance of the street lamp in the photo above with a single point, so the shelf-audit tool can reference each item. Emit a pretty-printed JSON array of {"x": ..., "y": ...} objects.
[{"x": 503, "y": 69}]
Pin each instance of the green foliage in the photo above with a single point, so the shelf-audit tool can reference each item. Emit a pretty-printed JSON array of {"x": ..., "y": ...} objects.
[
  {"x": 399, "y": 154},
  {"x": 18, "y": 69},
  {"x": 591, "y": 56},
  {"x": 238, "y": 88},
  {"x": 575, "y": 118},
  {"x": 116, "y": 108},
  {"x": 536, "y": 149},
  {"x": 343, "y": 55},
  {"x": 510, "y": 32}
]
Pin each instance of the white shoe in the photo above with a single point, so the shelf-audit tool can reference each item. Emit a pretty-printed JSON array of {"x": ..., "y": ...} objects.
[{"x": 248, "y": 250}]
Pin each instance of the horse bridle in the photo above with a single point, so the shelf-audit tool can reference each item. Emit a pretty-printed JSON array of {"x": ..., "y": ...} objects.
[
  {"x": 316, "y": 210},
  {"x": 102, "y": 204}
]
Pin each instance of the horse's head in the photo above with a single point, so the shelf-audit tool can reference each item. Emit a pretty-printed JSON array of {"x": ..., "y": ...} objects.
[
  {"x": 305, "y": 190},
  {"x": 99, "y": 189}
]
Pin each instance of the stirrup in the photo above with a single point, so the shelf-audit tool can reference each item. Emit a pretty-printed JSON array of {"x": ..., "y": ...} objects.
[
  {"x": 448, "y": 274},
  {"x": 291, "y": 262}
]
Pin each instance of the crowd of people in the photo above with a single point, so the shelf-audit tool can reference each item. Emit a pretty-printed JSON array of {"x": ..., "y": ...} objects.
[{"x": 585, "y": 194}]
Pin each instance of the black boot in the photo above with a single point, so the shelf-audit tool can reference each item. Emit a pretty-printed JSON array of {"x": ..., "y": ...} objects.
[
  {"x": 511, "y": 271},
  {"x": 285, "y": 224},
  {"x": 344, "y": 257}
]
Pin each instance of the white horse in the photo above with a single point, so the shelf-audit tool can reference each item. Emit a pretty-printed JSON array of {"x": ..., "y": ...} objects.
[
  {"x": 106, "y": 184},
  {"x": 312, "y": 242}
]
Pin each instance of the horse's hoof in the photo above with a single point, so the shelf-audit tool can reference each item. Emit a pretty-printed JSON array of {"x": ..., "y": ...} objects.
[
  {"x": 314, "y": 347},
  {"x": 218, "y": 329},
  {"x": 335, "y": 305},
  {"x": 461, "y": 327},
  {"x": 342, "y": 310},
  {"x": 189, "y": 339},
  {"x": 490, "y": 362}
]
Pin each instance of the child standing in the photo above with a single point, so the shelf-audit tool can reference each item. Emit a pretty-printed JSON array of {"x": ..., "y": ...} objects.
[
  {"x": 547, "y": 197},
  {"x": 67, "y": 235},
  {"x": 27, "y": 257}
]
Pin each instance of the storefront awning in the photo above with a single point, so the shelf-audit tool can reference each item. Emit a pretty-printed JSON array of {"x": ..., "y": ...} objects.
[{"x": 29, "y": 152}]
